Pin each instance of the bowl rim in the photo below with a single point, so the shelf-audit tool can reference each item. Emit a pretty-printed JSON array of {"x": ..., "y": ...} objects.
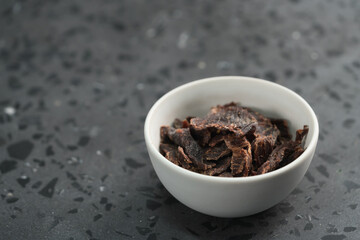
[{"x": 306, "y": 154}]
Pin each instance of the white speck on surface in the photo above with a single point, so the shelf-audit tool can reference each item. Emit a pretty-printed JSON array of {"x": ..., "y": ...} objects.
[
  {"x": 94, "y": 131},
  {"x": 57, "y": 103},
  {"x": 10, "y": 111},
  {"x": 102, "y": 188},
  {"x": 201, "y": 65},
  {"x": 35, "y": 170},
  {"x": 314, "y": 55},
  {"x": 9, "y": 194},
  {"x": 61, "y": 191},
  {"x": 23, "y": 177},
  {"x": 299, "y": 216},
  {"x": 74, "y": 160},
  {"x": 140, "y": 86},
  {"x": 151, "y": 33},
  {"x": 28, "y": 164},
  {"x": 296, "y": 35},
  {"x": 152, "y": 218},
  {"x": 98, "y": 152},
  {"x": 183, "y": 39}
]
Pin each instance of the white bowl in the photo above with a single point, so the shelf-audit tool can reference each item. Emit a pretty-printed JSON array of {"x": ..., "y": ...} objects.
[{"x": 220, "y": 196}]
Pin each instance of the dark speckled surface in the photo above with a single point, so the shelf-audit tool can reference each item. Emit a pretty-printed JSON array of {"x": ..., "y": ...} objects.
[{"x": 78, "y": 77}]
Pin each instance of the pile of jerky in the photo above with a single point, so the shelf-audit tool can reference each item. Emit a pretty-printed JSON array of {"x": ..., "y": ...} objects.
[{"x": 231, "y": 141}]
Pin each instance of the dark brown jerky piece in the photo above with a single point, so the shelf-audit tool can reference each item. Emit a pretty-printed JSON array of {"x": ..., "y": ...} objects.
[
  {"x": 275, "y": 158},
  {"x": 301, "y": 135},
  {"x": 220, "y": 167},
  {"x": 177, "y": 123},
  {"x": 217, "y": 139},
  {"x": 294, "y": 155},
  {"x": 229, "y": 117},
  {"x": 265, "y": 138},
  {"x": 225, "y": 174},
  {"x": 241, "y": 160},
  {"x": 264, "y": 127},
  {"x": 180, "y": 124},
  {"x": 184, "y": 160},
  {"x": 214, "y": 153},
  {"x": 185, "y": 124},
  {"x": 183, "y": 138},
  {"x": 202, "y": 136},
  {"x": 164, "y": 134},
  {"x": 283, "y": 127},
  {"x": 188, "y": 119},
  {"x": 170, "y": 151},
  {"x": 261, "y": 149}
]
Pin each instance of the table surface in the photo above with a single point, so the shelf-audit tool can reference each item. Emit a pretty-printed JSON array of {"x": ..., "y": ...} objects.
[{"x": 78, "y": 78}]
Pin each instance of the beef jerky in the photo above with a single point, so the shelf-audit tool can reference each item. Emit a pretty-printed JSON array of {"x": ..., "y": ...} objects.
[
  {"x": 241, "y": 160},
  {"x": 225, "y": 174},
  {"x": 298, "y": 150},
  {"x": 202, "y": 136},
  {"x": 261, "y": 149},
  {"x": 230, "y": 117},
  {"x": 264, "y": 127},
  {"x": 185, "y": 124},
  {"x": 170, "y": 151},
  {"x": 283, "y": 127},
  {"x": 252, "y": 143},
  {"x": 264, "y": 138},
  {"x": 221, "y": 166},
  {"x": 177, "y": 123},
  {"x": 276, "y": 157},
  {"x": 217, "y": 139},
  {"x": 180, "y": 124},
  {"x": 214, "y": 153},
  {"x": 209, "y": 164},
  {"x": 164, "y": 134},
  {"x": 183, "y": 138},
  {"x": 301, "y": 135},
  {"x": 184, "y": 160}
]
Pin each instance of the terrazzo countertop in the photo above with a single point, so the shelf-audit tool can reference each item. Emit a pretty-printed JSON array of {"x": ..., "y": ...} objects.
[{"x": 77, "y": 79}]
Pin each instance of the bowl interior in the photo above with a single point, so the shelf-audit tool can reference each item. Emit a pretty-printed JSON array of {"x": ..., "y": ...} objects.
[{"x": 196, "y": 98}]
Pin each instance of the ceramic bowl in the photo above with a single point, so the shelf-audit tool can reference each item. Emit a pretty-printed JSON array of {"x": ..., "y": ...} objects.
[{"x": 239, "y": 196}]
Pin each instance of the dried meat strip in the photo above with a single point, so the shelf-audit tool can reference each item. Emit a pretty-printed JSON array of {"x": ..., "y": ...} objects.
[
  {"x": 202, "y": 136},
  {"x": 216, "y": 152},
  {"x": 301, "y": 135},
  {"x": 180, "y": 123},
  {"x": 170, "y": 151},
  {"x": 183, "y": 138},
  {"x": 225, "y": 174},
  {"x": 221, "y": 166},
  {"x": 298, "y": 150},
  {"x": 184, "y": 160},
  {"x": 261, "y": 149},
  {"x": 230, "y": 117},
  {"x": 275, "y": 158},
  {"x": 164, "y": 134},
  {"x": 177, "y": 123},
  {"x": 283, "y": 127},
  {"x": 241, "y": 160},
  {"x": 217, "y": 139},
  {"x": 264, "y": 127}
]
